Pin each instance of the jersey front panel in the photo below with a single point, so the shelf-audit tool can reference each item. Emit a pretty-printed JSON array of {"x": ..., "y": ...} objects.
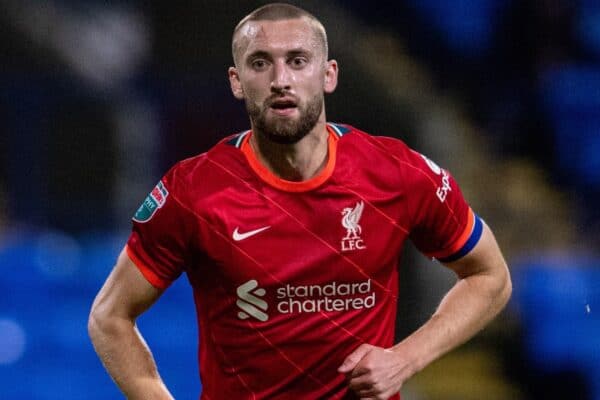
[{"x": 288, "y": 284}]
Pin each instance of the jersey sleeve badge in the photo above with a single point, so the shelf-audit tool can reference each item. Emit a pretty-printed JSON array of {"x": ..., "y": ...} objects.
[{"x": 155, "y": 200}]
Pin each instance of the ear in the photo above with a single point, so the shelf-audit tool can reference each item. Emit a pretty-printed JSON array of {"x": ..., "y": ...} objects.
[
  {"x": 235, "y": 83},
  {"x": 331, "y": 76}
]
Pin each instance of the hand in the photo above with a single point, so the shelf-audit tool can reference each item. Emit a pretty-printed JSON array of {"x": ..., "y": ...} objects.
[{"x": 374, "y": 372}]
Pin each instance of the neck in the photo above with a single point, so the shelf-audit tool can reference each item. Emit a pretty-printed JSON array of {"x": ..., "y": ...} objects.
[{"x": 294, "y": 162}]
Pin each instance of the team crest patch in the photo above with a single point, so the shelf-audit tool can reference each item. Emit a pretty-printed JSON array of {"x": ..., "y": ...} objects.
[
  {"x": 155, "y": 200},
  {"x": 350, "y": 221}
]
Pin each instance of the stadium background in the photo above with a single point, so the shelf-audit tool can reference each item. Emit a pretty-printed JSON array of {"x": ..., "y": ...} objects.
[{"x": 98, "y": 98}]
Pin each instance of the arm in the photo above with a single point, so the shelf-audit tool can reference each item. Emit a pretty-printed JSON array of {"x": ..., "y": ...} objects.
[
  {"x": 125, "y": 295},
  {"x": 481, "y": 292}
]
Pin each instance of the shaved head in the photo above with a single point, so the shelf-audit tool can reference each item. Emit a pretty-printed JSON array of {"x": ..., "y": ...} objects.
[{"x": 275, "y": 12}]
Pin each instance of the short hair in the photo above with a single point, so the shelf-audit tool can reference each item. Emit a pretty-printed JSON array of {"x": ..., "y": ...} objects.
[{"x": 279, "y": 12}]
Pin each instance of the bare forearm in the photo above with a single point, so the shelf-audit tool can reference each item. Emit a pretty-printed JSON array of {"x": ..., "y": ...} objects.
[
  {"x": 127, "y": 358},
  {"x": 466, "y": 309},
  {"x": 377, "y": 373}
]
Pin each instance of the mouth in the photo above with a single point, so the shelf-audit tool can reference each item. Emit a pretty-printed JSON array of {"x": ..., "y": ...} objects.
[{"x": 283, "y": 106}]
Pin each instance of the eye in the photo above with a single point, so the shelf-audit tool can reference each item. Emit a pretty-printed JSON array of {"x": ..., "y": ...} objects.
[
  {"x": 298, "y": 62},
  {"x": 259, "y": 64}
]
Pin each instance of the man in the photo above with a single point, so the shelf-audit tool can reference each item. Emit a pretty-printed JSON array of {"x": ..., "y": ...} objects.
[{"x": 290, "y": 234}]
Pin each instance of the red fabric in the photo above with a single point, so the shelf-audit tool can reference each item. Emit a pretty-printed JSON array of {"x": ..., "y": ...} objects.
[{"x": 308, "y": 279}]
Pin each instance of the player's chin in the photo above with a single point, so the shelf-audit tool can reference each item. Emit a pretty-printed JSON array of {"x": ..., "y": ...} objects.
[
  {"x": 284, "y": 139},
  {"x": 285, "y": 134}
]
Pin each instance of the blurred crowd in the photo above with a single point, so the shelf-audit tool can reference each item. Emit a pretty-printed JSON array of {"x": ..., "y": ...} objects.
[{"x": 99, "y": 98}]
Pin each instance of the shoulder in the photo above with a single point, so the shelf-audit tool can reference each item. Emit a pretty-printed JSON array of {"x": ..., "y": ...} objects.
[
  {"x": 208, "y": 171},
  {"x": 191, "y": 169},
  {"x": 389, "y": 151},
  {"x": 370, "y": 143}
]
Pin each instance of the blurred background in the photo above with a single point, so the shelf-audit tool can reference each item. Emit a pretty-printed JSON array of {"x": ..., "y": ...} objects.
[{"x": 99, "y": 98}]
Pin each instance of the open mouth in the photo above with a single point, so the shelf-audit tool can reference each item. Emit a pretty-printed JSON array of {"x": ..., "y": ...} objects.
[{"x": 283, "y": 105}]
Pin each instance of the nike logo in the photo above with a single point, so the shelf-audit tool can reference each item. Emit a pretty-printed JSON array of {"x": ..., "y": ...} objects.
[{"x": 237, "y": 236}]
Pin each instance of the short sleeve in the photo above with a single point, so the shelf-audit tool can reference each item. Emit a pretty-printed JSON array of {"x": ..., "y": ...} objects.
[
  {"x": 160, "y": 237},
  {"x": 443, "y": 225}
]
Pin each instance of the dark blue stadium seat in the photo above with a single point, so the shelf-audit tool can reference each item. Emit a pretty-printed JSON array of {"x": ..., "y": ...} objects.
[
  {"x": 588, "y": 27},
  {"x": 558, "y": 300},
  {"x": 49, "y": 281},
  {"x": 467, "y": 25},
  {"x": 571, "y": 98}
]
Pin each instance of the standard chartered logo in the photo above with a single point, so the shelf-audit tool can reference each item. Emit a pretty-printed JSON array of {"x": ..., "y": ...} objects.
[
  {"x": 250, "y": 303},
  {"x": 331, "y": 297}
]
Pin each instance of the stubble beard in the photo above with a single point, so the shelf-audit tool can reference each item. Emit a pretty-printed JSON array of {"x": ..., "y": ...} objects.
[{"x": 286, "y": 130}]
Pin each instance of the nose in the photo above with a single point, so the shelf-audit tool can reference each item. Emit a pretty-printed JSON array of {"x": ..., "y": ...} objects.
[{"x": 281, "y": 80}]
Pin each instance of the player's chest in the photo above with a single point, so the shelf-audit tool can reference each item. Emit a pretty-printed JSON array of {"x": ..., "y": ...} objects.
[{"x": 287, "y": 236}]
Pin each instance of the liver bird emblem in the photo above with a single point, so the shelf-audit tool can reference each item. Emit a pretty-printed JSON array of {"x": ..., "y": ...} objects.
[{"x": 350, "y": 219}]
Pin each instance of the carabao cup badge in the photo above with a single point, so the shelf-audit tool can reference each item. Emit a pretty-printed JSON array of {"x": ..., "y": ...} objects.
[{"x": 155, "y": 200}]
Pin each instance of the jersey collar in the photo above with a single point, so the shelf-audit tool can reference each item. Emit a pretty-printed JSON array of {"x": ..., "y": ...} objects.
[{"x": 292, "y": 186}]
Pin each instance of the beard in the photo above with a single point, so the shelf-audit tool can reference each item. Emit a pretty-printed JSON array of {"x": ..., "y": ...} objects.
[{"x": 286, "y": 130}]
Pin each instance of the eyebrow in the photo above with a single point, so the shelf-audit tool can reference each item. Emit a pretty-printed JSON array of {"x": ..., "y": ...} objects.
[
  {"x": 298, "y": 52},
  {"x": 290, "y": 53},
  {"x": 258, "y": 54}
]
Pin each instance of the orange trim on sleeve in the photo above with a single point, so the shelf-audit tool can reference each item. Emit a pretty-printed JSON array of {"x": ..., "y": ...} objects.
[
  {"x": 150, "y": 276},
  {"x": 460, "y": 242},
  {"x": 291, "y": 186}
]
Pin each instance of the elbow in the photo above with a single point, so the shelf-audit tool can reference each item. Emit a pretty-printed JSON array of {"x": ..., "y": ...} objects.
[
  {"x": 505, "y": 289},
  {"x": 105, "y": 324},
  {"x": 508, "y": 287},
  {"x": 100, "y": 323},
  {"x": 94, "y": 324}
]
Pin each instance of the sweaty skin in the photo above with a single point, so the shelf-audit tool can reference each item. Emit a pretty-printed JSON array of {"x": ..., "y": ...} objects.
[
  {"x": 126, "y": 294},
  {"x": 282, "y": 60},
  {"x": 481, "y": 292}
]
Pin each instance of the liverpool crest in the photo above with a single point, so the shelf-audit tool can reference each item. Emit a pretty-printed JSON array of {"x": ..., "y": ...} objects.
[{"x": 350, "y": 221}]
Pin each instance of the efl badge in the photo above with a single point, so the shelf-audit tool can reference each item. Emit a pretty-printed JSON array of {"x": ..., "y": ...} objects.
[{"x": 155, "y": 200}]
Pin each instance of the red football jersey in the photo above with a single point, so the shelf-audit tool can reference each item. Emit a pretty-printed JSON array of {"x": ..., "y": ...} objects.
[{"x": 290, "y": 277}]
